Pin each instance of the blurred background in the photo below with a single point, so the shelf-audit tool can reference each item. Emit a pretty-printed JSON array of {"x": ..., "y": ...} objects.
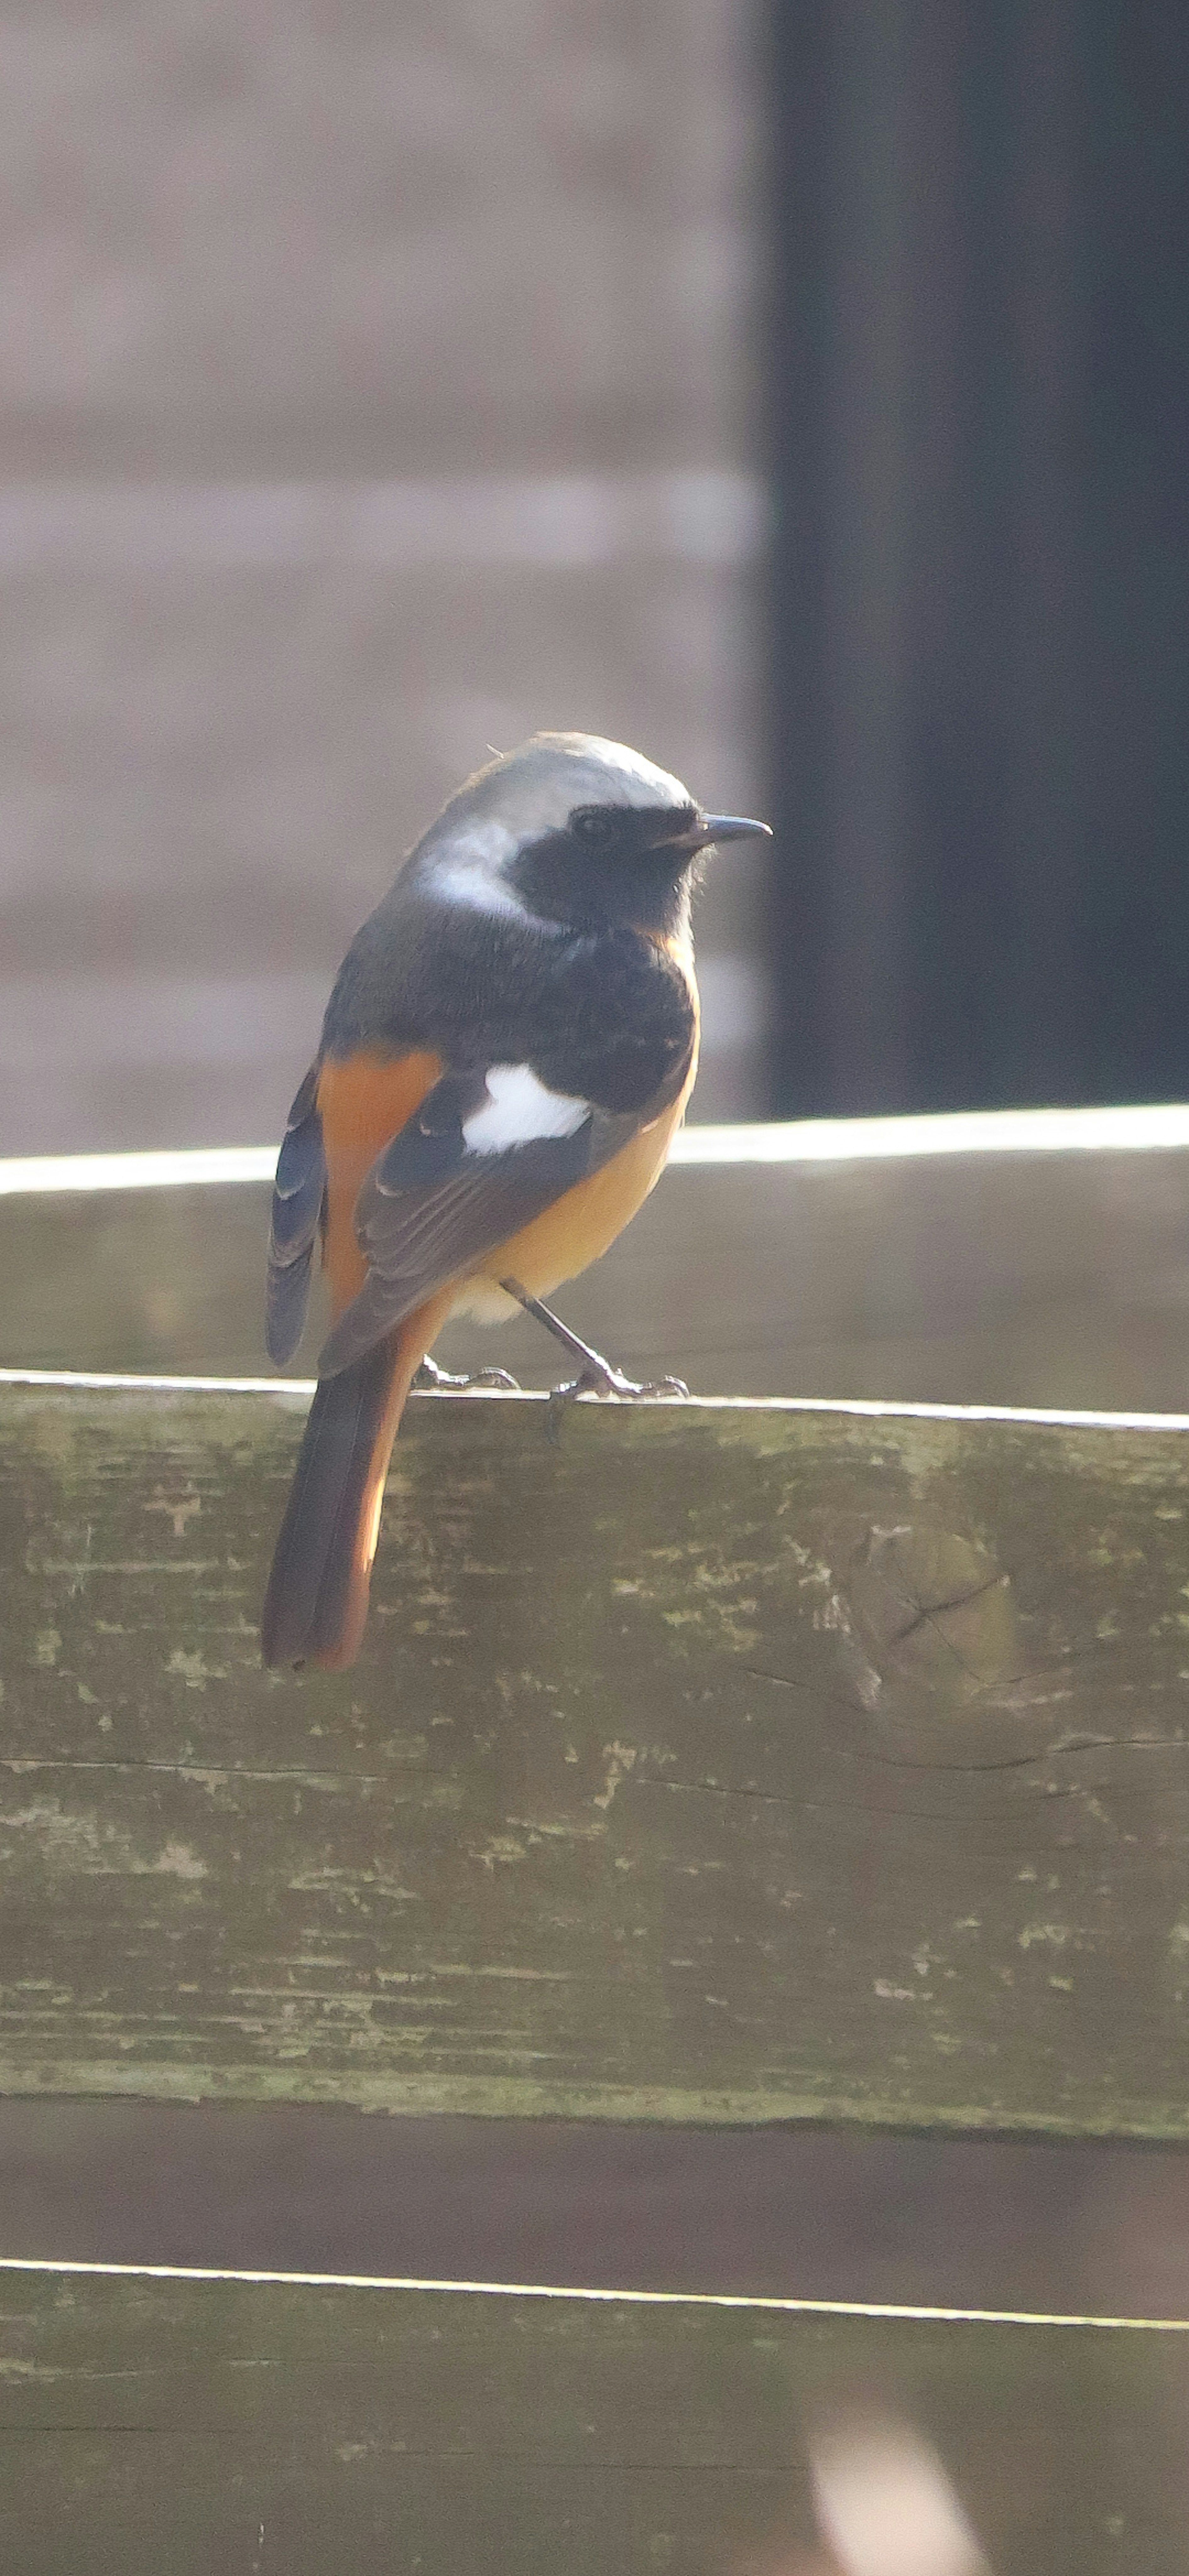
[
  {"x": 376, "y": 385},
  {"x": 796, "y": 388}
]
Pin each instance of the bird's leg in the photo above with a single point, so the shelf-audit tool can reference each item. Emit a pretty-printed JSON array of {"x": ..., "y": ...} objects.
[
  {"x": 428, "y": 1374},
  {"x": 595, "y": 1374}
]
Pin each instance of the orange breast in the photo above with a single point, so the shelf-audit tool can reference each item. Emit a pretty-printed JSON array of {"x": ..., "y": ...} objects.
[{"x": 363, "y": 1100}]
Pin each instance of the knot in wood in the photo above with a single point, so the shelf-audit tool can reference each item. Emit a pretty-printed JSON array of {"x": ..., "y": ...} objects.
[{"x": 931, "y": 1609}]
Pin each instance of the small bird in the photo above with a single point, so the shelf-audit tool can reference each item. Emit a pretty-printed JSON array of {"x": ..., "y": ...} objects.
[{"x": 506, "y": 1055}]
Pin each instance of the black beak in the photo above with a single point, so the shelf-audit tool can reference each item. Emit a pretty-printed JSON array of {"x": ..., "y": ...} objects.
[{"x": 731, "y": 827}]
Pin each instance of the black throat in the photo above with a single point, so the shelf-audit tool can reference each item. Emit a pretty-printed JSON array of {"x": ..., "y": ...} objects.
[{"x": 613, "y": 864}]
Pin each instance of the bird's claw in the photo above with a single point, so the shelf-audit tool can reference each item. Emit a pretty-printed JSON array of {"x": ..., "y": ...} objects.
[
  {"x": 606, "y": 1380},
  {"x": 429, "y": 1375}
]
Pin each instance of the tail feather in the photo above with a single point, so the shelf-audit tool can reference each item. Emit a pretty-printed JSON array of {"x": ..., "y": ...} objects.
[{"x": 316, "y": 1603}]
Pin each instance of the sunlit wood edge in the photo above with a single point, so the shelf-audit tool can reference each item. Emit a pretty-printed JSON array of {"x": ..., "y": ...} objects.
[
  {"x": 288, "y": 1389},
  {"x": 890, "y": 2310},
  {"x": 869, "y": 1408},
  {"x": 1163, "y": 1127}
]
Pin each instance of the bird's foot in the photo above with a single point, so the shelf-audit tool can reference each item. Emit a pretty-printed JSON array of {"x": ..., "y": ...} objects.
[
  {"x": 602, "y": 1379},
  {"x": 595, "y": 1374},
  {"x": 605, "y": 1380},
  {"x": 429, "y": 1375}
]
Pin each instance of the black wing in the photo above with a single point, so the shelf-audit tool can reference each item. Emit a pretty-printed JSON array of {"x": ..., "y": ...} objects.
[
  {"x": 298, "y": 1203},
  {"x": 432, "y": 1206}
]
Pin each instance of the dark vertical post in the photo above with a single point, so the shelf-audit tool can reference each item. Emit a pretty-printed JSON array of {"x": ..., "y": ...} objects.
[
  {"x": 865, "y": 500},
  {"x": 1043, "y": 1053},
  {"x": 800, "y": 74},
  {"x": 1136, "y": 449},
  {"x": 980, "y": 595}
]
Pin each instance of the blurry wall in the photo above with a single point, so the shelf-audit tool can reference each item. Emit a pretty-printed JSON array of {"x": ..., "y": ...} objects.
[
  {"x": 375, "y": 384},
  {"x": 980, "y": 605}
]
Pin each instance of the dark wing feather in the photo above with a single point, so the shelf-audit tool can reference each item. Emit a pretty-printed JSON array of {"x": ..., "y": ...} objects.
[
  {"x": 430, "y": 1208},
  {"x": 299, "y": 1194}
]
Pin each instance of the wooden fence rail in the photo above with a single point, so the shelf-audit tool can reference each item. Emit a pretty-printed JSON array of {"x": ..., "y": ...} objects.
[
  {"x": 710, "y": 1761},
  {"x": 724, "y": 1761}
]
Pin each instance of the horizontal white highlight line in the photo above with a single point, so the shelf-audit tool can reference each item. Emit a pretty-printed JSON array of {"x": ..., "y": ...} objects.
[
  {"x": 818, "y": 1140},
  {"x": 557, "y": 522},
  {"x": 853, "y": 1408},
  {"x": 188, "y": 1167},
  {"x": 968, "y": 1131},
  {"x": 607, "y": 2298}
]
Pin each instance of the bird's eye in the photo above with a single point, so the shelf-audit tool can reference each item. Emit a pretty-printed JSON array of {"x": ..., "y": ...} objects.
[{"x": 594, "y": 823}]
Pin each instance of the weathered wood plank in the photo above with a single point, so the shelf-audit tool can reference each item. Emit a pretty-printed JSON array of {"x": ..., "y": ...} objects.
[
  {"x": 710, "y": 1763},
  {"x": 1007, "y": 1278},
  {"x": 249, "y": 2425}
]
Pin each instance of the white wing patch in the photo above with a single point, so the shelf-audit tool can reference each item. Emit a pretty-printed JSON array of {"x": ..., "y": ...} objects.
[{"x": 519, "y": 1109}]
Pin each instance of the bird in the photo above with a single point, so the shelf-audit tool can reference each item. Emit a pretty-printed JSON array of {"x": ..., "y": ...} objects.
[{"x": 506, "y": 1055}]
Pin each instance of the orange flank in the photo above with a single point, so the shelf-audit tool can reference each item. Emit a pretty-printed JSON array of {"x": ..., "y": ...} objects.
[{"x": 363, "y": 1101}]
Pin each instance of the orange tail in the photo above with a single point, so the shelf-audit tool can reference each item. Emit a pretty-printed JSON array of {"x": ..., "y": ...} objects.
[{"x": 316, "y": 1603}]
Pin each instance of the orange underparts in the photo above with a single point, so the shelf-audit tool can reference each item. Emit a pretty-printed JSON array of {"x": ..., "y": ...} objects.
[{"x": 363, "y": 1100}]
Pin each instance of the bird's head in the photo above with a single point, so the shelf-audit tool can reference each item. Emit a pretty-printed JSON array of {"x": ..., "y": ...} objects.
[{"x": 574, "y": 829}]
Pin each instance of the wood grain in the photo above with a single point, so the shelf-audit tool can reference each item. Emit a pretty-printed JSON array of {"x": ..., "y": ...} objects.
[{"x": 734, "y": 1762}]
